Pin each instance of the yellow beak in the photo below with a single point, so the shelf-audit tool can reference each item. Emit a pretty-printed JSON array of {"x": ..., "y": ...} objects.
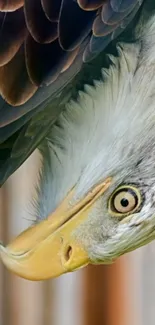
[{"x": 49, "y": 248}]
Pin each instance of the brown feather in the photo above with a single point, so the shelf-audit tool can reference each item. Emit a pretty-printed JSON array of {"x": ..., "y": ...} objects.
[
  {"x": 13, "y": 33},
  {"x": 10, "y": 5},
  {"x": 15, "y": 85},
  {"x": 52, "y": 32}
]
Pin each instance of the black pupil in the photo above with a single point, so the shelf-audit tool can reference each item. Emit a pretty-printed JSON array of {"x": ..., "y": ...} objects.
[{"x": 124, "y": 203}]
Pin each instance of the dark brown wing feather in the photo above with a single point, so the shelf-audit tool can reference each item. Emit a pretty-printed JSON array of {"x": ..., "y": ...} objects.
[
  {"x": 43, "y": 44},
  {"x": 40, "y": 39},
  {"x": 10, "y": 5}
]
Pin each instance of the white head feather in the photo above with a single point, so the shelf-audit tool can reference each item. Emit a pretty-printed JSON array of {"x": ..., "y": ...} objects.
[{"x": 108, "y": 131}]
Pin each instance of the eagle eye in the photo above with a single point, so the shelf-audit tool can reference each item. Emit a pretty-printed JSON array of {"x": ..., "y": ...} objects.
[{"x": 124, "y": 200}]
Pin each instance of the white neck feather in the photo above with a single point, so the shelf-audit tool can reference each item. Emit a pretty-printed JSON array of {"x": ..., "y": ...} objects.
[{"x": 105, "y": 129}]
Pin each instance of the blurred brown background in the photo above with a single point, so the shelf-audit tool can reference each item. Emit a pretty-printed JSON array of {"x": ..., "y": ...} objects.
[{"x": 119, "y": 294}]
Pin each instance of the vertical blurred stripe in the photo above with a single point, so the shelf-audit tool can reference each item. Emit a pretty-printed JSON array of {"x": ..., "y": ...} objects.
[
  {"x": 23, "y": 299},
  {"x": 110, "y": 294},
  {"x": 119, "y": 299},
  {"x": 67, "y": 299},
  {"x": 94, "y": 296},
  {"x": 148, "y": 288},
  {"x": 47, "y": 297},
  {"x": 3, "y": 221}
]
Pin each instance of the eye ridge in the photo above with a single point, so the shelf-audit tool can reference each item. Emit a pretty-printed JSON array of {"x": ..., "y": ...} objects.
[{"x": 123, "y": 208}]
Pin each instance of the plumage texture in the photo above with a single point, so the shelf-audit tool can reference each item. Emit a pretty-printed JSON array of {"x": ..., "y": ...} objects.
[
  {"x": 46, "y": 35},
  {"x": 23, "y": 127}
]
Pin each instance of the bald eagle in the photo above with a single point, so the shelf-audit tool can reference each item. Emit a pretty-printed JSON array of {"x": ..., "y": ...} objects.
[{"x": 77, "y": 81}]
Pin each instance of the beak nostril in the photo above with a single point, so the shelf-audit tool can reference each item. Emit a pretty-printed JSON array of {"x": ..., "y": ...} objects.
[{"x": 68, "y": 253}]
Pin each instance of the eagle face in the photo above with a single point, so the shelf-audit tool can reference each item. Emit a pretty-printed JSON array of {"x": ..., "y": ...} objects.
[
  {"x": 123, "y": 218},
  {"x": 96, "y": 187}
]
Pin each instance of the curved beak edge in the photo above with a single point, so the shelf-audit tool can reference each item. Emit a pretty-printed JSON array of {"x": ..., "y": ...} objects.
[{"x": 49, "y": 248}]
